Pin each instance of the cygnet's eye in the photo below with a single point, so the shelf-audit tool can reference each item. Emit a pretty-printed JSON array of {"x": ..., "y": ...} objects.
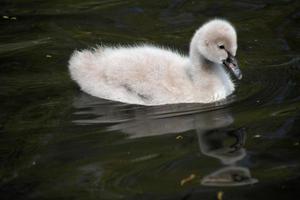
[{"x": 221, "y": 47}]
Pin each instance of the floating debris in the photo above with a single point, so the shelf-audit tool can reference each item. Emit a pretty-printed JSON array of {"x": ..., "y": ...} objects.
[
  {"x": 257, "y": 136},
  {"x": 7, "y": 17},
  {"x": 179, "y": 137},
  {"x": 187, "y": 179},
  {"x": 220, "y": 195},
  {"x": 296, "y": 144},
  {"x": 48, "y": 56}
]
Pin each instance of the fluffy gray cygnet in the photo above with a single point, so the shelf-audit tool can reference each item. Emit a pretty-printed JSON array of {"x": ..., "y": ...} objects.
[{"x": 150, "y": 75}]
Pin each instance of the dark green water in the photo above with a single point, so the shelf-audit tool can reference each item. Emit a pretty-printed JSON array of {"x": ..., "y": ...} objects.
[{"x": 59, "y": 143}]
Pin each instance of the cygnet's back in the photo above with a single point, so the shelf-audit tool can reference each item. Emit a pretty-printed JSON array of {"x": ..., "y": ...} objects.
[
  {"x": 138, "y": 75},
  {"x": 147, "y": 75}
]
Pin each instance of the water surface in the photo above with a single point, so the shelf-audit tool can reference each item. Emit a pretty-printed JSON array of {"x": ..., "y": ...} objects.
[{"x": 58, "y": 143}]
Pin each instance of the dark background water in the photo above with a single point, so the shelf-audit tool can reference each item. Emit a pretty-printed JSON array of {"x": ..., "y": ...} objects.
[{"x": 59, "y": 143}]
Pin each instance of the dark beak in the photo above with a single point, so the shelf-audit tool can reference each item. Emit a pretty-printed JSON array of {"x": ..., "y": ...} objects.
[{"x": 232, "y": 64}]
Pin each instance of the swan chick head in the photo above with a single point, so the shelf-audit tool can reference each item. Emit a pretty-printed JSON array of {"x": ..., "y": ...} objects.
[{"x": 216, "y": 39}]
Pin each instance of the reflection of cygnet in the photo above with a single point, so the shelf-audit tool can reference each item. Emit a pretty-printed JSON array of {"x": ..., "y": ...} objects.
[
  {"x": 212, "y": 144},
  {"x": 145, "y": 127},
  {"x": 148, "y": 121},
  {"x": 151, "y": 75},
  {"x": 229, "y": 176}
]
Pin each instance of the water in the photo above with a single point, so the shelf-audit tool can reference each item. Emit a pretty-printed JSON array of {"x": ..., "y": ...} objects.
[{"x": 59, "y": 143}]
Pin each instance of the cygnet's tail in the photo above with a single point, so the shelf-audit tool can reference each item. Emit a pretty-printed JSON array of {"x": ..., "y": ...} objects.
[{"x": 82, "y": 67}]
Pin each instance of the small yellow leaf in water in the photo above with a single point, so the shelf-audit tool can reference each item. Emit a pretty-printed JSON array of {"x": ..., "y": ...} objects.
[
  {"x": 5, "y": 17},
  {"x": 187, "y": 179},
  {"x": 48, "y": 56},
  {"x": 179, "y": 137},
  {"x": 220, "y": 195}
]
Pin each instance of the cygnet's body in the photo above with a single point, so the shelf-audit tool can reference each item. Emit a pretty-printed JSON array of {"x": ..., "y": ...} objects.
[{"x": 151, "y": 75}]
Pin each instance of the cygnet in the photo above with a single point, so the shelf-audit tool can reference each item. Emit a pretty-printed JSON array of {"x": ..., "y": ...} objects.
[{"x": 150, "y": 75}]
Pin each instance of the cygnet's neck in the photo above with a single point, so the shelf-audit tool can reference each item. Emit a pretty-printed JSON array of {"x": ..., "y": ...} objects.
[
  {"x": 209, "y": 76},
  {"x": 198, "y": 63}
]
